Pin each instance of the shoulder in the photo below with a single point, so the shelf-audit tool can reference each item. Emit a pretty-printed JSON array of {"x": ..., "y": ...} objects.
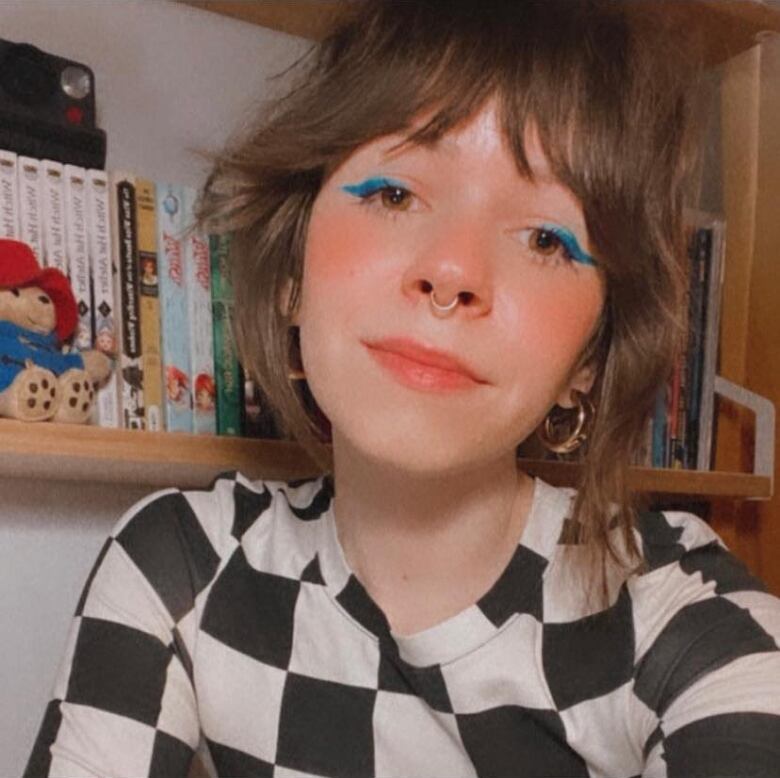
[
  {"x": 697, "y": 610},
  {"x": 686, "y": 560},
  {"x": 195, "y": 530}
]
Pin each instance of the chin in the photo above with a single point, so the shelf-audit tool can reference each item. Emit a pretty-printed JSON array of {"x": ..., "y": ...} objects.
[{"x": 421, "y": 450}]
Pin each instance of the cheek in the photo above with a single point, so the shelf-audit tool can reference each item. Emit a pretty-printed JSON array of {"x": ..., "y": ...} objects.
[
  {"x": 555, "y": 320},
  {"x": 339, "y": 249}
]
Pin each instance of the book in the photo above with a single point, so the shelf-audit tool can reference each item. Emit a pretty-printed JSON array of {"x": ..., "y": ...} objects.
[
  {"x": 77, "y": 253},
  {"x": 149, "y": 301},
  {"x": 674, "y": 413},
  {"x": 106, "y": 413},
  {"x": 659, "y": 429},
  {"x": 699, "y": 256},
  {"x": 177, "y": 402},
  {"x": 197, "y": 269},
  {"x": 53, "y": 202},
  {"x": 227, "y": 371},
  {"x": 710, "y": 343},
  {"x": 130, "y": 364},
  {"x": 9, "y": 195},
  {"x": 30, "y": 205}
]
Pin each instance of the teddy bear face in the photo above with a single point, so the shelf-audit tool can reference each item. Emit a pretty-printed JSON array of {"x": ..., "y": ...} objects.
[{"x": 29, "y": 307}]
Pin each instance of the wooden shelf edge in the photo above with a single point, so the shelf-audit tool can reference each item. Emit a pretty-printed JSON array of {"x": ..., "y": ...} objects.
[
  {"x": 87, "y": 453},
  {"x": 683, "y": 483},
  {"x": 84, "y": 453},
  {"x": 726, "y": 27}
]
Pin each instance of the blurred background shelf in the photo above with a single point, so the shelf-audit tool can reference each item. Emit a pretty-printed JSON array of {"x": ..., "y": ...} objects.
[
  {"x": 722, "y": 27},
  {"x": 92, "y": 454}
]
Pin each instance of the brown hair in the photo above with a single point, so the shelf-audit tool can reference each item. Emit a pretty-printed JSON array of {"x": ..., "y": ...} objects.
[{"x": 612, "y": 109}]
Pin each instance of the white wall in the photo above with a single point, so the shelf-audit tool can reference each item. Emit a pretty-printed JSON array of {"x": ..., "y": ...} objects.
[{"x": 168, "y": 78}]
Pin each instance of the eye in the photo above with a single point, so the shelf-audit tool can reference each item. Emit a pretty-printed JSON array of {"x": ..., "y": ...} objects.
[
  {"x": 556, "y": 244},
  {"x": 383, "y": 192},
  {"x": 44, "y": 299},
  {"x": 15, "y": 292},
  {"x": 545, "y": 242},
  {"x": 396, "y": 198}
]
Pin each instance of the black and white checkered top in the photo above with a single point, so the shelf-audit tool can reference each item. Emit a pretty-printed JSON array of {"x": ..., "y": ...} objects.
[{"x": 227, "y": 621}]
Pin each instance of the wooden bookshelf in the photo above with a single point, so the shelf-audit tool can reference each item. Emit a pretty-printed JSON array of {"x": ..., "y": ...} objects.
[
  {"x": 49, "y": 451},
  {"x": 722, "y": 28}
]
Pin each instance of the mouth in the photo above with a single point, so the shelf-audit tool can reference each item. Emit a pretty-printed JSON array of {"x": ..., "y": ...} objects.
[{"x": 421, "y": 367}]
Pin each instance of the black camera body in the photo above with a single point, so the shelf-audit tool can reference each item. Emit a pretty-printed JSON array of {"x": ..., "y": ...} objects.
[{"x": 47, "y": 107}]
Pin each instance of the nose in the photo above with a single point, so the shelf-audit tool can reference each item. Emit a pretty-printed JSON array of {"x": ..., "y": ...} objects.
[{"x": 454, "y": 263}]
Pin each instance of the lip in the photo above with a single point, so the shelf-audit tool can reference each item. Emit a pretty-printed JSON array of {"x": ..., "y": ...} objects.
[{"x": 422, "y": 367}]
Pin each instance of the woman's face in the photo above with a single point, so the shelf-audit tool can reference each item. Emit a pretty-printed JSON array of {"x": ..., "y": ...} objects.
[{"x": 456, "y": 219}]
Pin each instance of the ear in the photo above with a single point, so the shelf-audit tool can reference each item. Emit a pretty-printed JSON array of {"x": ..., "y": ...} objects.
[{"x": 582, "y": 381}]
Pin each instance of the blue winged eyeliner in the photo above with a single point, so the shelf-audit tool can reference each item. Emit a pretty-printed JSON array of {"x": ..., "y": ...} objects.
[
  {"x": 570, "y": 243},
  {"x": 371, "y": 185}
]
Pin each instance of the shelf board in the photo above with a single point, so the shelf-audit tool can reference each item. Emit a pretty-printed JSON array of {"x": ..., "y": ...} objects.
[
  {"x": 51, "y": 451},
  {"x": 724, "y": 27}
]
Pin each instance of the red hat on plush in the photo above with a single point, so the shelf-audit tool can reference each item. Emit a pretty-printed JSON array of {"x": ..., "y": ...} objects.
[{"x": 19, "y": 268}]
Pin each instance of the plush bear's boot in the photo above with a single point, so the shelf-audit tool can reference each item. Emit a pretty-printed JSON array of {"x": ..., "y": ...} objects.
[
  {"x": 77, "y": 394},
  {"x": 33, "y": 395}
]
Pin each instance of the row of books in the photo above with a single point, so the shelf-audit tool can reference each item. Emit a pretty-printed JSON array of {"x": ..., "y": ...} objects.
[
  {"x": 151, "y": 290},
  {"x": 681, "y": 432}
]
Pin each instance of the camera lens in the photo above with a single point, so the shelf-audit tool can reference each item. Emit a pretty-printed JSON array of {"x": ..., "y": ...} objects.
[
  {"x": 75, "y": 82},
  {"x": 26, "y": 76}
]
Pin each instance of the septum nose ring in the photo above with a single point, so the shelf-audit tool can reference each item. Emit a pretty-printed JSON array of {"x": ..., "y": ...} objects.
[{"x": 442, "y": 311}]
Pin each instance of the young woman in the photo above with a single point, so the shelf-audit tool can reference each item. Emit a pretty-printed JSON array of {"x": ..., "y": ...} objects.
[{"x": 462, "y": 226}]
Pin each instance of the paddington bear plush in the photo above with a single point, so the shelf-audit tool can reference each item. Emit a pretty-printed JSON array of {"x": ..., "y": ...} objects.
[{"x": 39, "y": 380}]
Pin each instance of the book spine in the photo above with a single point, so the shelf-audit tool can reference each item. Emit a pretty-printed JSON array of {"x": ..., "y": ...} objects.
[
  {"x": 676, "y": 415},
  {"x": 9, "y": 195},
  {"x": 177, "y": 401},
  {"x": 78, "y": 256},
  {"x": 149, "y": 293},
  {"x": 699, "y": 268},
  {"x": 30, "y": 206},
  {"x": 672, "y": 413},
  {"x": 711, "y": 326},
  {"x": 660, "y": 429},
  {"x": 227, "y": 372},
  {"x": 53, "y": 195},
  {"x": 197, "y": 264},
  {"x": 103, "y": 283},
  {"x": 125, "y": 243}
]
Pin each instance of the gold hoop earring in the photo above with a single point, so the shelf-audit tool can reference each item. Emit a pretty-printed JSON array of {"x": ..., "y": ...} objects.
[{"x": 549, "y": 432}]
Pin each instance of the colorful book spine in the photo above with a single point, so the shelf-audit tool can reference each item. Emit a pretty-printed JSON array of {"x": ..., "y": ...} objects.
[
  {"x": 77, "y": 253},
  {"x": 53, "y": 196},
  {"x": 177, "y": 402},
  {"x": 197, "y": 266},
  {"x": 30, "y": 206},
  {"x": 123, "y": 212},
  {"x": 149, "y": 294},
  {"x": 9, "y": 195},
  {"x": 103, "y": 284},
  {"x": 227, "y": 371}
]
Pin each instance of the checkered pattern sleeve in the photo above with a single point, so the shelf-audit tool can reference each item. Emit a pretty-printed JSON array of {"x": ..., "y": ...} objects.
[
  {"x": 124, "y": 703},
  {"x": 707, "y": 679}
]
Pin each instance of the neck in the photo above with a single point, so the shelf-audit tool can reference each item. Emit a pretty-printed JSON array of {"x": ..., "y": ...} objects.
[{"x": 438, "y": 538}]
